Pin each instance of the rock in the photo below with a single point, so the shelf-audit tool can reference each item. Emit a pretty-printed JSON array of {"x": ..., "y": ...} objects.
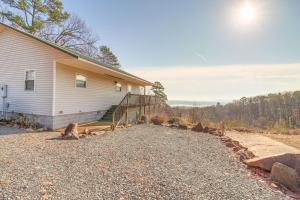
[
  {"x": 183, "y": 127},
  {"x": 98, "y": 132},
  {"x": 144, "y": 119},
  {"x": 225, "y": 139},
  {"x": 82, "y": 136},
  {"x": 286, "y": 176},
  {"x": 236, "y": 149},
  {"x": 141, "y": 122},
  {"x": 29, "y": 130},
  {"x": 206, "y": 129},
  {"x": 198, "y": 127},
  {"x": 229, "y": 144},
  {"x": 173, "y": 126},
  {"x": 71, "y": 132},
  {"x": 244, "y": 154},
  {"x": 266, "y": 163},
  {"x": 236, "y": 144},
  {"x": 86, "y": 131}
]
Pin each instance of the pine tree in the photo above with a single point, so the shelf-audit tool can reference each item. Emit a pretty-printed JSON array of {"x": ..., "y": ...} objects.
[
  {"x": 108, "y": 57},
  {"x": 33, "y": 15},
  {"x": 158, "y": 90}
]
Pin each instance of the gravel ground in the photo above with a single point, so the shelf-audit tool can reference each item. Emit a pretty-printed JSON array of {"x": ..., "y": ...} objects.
[{"x": 142, "y": 162}]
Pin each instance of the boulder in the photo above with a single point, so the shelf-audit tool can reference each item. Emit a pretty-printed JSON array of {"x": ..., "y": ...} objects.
[
  {"x": 266, "y": 163},
  {"x": 173, "y": 126},
  {"x": 286, "y": 176},
  {"x": 198, "y": 127},
  {"x": 225, "y": 139},
  {"x": 183, "y": 126},
  {"x": 206, "y": 129},
  {"x": 145, "y": 119},
  {"x": 71, "y": 132},
  {"x": 229, "y": 144}
]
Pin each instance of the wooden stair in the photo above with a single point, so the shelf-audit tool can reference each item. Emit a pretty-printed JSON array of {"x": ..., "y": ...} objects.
[{"x": 108, "y": 116}]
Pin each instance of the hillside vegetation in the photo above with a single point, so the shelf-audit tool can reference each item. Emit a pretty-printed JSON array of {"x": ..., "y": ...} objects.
[{"x": 272, "y": 111}]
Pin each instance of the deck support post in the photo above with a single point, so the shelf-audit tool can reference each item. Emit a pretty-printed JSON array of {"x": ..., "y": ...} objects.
[
  {"x": 149, "y": 104},
  {"x": 144, "y": 100},
  {"x": 126, "y": 114},
  {"x": 154, "y": 105},
  {"x": 140, "y": 107}
]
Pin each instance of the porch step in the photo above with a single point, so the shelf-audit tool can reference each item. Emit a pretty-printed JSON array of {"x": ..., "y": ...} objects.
[{"x": 108, "y": 116}]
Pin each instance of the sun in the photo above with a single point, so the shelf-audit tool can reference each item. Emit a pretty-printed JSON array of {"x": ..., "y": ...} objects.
[{"x": 247, "y": 13}]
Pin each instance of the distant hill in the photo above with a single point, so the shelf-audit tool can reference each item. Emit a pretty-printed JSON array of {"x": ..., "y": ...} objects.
[
  {"x": 181, "y": 103},
  {"x": 279, "y": 110}
]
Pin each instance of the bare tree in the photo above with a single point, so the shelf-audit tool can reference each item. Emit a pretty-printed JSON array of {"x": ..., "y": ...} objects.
[{"x": 72, "y": 34}]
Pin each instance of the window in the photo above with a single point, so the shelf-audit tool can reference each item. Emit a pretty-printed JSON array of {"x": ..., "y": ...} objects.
[
  {"x": 29, "y": 80},
  {"x": 118, "y": 87},
  {"x": 80, "y": 81}
]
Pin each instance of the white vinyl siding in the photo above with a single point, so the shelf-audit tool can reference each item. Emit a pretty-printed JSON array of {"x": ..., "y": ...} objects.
[
  {"x": 99, "y": 94},
  {"x": 18, "y": 54}
]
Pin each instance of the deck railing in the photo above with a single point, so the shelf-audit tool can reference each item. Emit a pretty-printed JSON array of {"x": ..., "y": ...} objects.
[{"x": 135, "y": 101}]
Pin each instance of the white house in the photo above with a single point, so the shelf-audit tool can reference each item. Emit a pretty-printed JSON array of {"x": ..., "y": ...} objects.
[{"x": 55, "y": 85}]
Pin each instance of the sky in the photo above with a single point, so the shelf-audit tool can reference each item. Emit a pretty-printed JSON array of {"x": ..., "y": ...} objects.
[{"x": 202, "y": 50}]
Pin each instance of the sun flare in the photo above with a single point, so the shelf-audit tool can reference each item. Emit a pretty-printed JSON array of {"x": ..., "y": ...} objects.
[{"x": 247, "y": 13}]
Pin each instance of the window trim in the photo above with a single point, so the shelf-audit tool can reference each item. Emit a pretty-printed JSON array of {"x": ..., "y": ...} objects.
[
  {"x": 34, "y": 80},
  {"x": 86, "y": 80}
]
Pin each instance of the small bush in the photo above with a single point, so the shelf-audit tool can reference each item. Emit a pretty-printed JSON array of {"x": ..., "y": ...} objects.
[
  {"x": 158, "y": 119},
  {"x": 173, "y": 120},
  {"x": 184, "y": 121}
]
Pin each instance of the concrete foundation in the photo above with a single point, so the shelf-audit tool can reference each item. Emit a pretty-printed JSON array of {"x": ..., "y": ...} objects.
[{"x": 60, "y": 121}]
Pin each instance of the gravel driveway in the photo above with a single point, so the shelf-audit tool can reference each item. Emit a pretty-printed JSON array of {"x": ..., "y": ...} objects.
[{"x": 142, "y": 162}]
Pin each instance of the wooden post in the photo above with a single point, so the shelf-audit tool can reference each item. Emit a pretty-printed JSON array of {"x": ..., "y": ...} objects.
[
  {"x": 155, "y": 107},
  {"x": 140, "y": 107},
  {"x": 149, "y": 104},
  {"x": 113, "y": 122},
  {"x": 126, "y": 114},
  {"x": 144, "y": 100}
]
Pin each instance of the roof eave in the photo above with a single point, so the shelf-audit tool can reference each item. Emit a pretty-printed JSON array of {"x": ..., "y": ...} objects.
[{"x": 141, "y": 81}]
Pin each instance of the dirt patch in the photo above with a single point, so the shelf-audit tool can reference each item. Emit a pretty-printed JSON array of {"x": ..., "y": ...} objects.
[{"x": 290, "y": 140}]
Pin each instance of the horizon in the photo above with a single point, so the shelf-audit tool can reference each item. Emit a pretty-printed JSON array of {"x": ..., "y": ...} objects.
[{"x": 216, "y": 50}]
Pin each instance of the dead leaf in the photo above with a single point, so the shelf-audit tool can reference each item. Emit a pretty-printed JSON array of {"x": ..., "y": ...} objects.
[
  {"x": 44, "y": 197},
  {"x": 5, "y": 182}
]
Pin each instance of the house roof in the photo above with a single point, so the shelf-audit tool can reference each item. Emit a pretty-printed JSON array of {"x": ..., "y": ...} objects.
[{"x": 78, "y": 55}]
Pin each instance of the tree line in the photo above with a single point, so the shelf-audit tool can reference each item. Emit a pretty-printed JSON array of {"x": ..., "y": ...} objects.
[
  {"x": 281, "y": 110},
  {"x": 48, "y": 20}
]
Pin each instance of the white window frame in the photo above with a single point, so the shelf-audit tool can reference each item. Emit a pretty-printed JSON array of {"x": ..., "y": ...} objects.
[
  {"x": 86, "y": 81},
  {"x": 34, "y": 80}
]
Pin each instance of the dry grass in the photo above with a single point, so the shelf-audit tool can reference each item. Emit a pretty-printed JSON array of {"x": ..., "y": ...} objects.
[
  {"x": 159, "y": 119},
  {"x": 291, "y": 140}
]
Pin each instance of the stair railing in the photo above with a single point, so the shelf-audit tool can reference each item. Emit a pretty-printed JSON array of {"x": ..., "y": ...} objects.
[
  {"x": 119, "y": 111},
  {"x": 134, "y": 100}
]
